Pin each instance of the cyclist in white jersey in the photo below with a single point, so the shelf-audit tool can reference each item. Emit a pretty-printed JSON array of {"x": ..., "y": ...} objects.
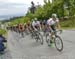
[
  {"x": 53, "y": 23},
  {"x": 36, "y": 24}
]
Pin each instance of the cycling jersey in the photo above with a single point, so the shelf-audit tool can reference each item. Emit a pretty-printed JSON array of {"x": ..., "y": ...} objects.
[
  {"x": 21, "y": 27},
  {"x": 35, "y": 24},
  {"x": 52, "y": 22}
]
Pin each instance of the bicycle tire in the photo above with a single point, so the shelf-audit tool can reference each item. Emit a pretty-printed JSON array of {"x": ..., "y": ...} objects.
[
  {"x": 56, "y": 44},
  {"x": 47, "y": 35},
  {"x": 41, "y": 39}
]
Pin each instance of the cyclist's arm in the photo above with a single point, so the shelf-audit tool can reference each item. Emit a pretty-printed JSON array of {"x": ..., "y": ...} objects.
[
  {"x": 58, "y": 25},
  {"x": 34, "y": 28},
  {"x": 50, "y": 28}
]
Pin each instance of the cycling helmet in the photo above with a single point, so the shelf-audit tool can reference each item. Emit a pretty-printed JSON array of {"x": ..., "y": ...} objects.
[
  {"x": 35, "y": 19},
  {"x": 54, "y": 15}
]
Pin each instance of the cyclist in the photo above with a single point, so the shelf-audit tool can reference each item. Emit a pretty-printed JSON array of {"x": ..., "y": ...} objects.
[
  {"x": 44, "y": 25},
  {"x": 53, "y": 23},
  {"x": 36, "y": 24},
  {"x": 21, "y": 28}
]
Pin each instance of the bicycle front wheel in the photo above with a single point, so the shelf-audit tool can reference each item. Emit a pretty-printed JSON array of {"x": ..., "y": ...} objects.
[
  {"x": 58, "y": 43},
  {"x": 41, "y": 38}
]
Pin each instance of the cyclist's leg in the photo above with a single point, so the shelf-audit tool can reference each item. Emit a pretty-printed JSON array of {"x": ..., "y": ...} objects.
[{"x": 52, "y": 33}]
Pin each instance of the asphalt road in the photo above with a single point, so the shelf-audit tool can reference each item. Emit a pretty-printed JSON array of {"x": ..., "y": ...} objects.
[{"x": 27, "y": 48}]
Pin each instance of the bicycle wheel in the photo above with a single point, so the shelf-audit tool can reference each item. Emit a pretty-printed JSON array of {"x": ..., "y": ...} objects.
[
  {"x": 40, "y": 37},
  {"x": 36, "y": 37},
  {"x": 58, "y": 43},
  {"x": 48, "y": 39}
]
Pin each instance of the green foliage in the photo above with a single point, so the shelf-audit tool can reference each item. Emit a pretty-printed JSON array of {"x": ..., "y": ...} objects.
[
  {"x": 62, "y": 8},
  {"x": 2, "y": 31},
  {"x": 68, "y": 23},
  {"x": 45, "y": 11}
]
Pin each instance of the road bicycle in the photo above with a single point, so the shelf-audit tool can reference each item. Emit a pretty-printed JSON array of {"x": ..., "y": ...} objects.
[
  {"x": 37, "y": 36},
  {"x": 57, "y": 40}
]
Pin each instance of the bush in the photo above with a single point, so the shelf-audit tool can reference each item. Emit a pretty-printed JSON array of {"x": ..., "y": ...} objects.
[
  {"x": 68, "y": 23},
  {"x": 2, "y": 31}
]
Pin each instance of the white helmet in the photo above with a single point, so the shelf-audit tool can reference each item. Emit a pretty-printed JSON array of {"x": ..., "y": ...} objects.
[
  {"x": 35, "y": 19},
  {"x": 54, "y": 15}
]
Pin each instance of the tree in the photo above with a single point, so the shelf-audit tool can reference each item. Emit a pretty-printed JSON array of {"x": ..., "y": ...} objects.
[
  {"x": 61, "y": 7},
  {"x": 32, "y": 8}
]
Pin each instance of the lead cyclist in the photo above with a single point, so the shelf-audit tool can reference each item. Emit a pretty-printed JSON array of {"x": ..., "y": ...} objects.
[{"x": 53, "y": 24}]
